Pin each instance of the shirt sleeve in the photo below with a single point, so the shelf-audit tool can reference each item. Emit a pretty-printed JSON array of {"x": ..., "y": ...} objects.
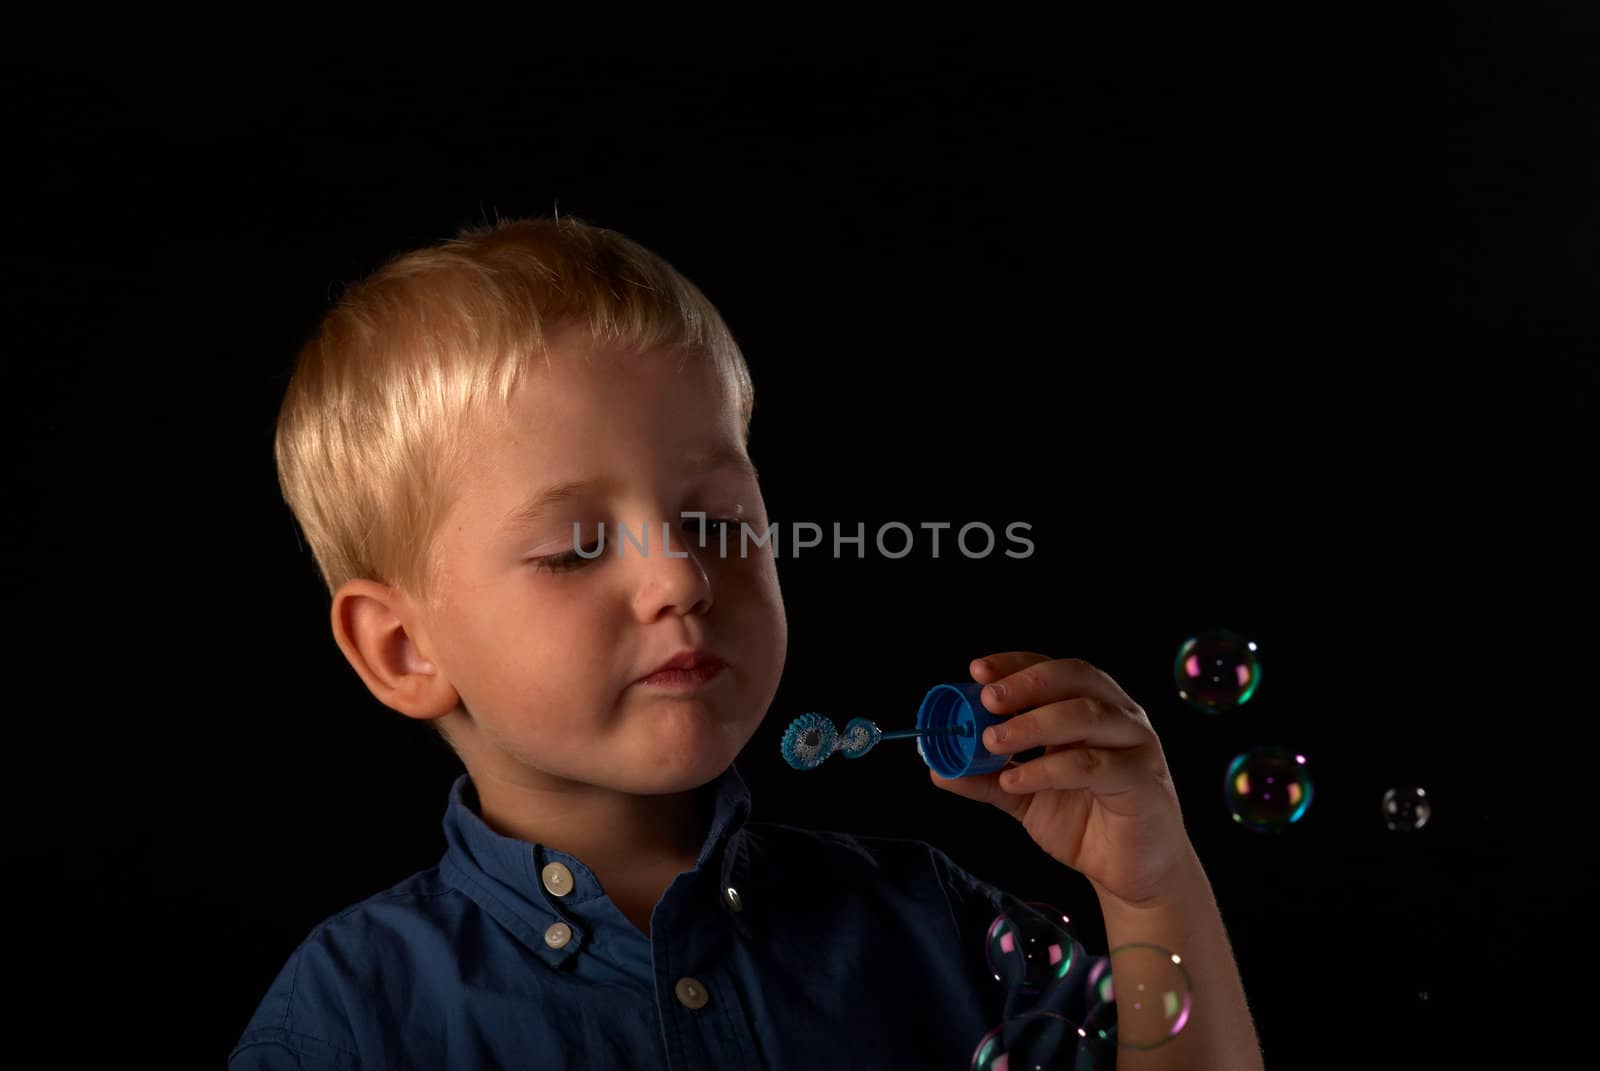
[
  {"x": 975, "y": 905},
  {"x": 301, "y": 1022},
  {"x": 278, "y": 1049}
]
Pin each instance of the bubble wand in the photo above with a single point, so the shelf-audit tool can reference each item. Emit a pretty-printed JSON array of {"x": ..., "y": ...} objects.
[
  {"x": 811, "y": 738},
  {"x": 951, "y": 720}
]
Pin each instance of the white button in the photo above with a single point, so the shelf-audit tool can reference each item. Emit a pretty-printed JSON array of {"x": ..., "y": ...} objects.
[
  {"x": 557, "y": 878},
  {"x": 731, "y": 895},
  {"x": 691, "y": 994},
  {"x": 558, "y": 935}
]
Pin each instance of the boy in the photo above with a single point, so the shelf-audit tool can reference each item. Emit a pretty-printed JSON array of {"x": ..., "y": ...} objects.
[{"x": 508, "y": 454}]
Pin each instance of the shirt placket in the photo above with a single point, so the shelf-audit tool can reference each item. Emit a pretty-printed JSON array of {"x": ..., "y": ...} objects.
[{"x": 706, "y": 1023}]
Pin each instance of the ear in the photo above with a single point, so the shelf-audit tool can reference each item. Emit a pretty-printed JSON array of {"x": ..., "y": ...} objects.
[{"x": 380, "y": 632}]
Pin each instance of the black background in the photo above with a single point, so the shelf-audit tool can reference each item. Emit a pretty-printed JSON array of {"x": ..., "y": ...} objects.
[{"x": 1271, "y": 317}]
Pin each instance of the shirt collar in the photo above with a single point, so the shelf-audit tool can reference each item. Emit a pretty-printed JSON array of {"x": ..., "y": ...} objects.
[{"x": 503, "y": 874}]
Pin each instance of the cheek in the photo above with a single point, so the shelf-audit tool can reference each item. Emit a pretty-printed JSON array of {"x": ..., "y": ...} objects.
[
  {"x": 751, "y": 587},
  {"x": 771, "y": 593},
  {"x": 526, "y": 632},
  {"x": 765, "y": 633},
  {"x": 573, "y": 643}
]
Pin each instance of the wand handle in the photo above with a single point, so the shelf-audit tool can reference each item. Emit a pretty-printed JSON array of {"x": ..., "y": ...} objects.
[{"x": 948, "y": 730}]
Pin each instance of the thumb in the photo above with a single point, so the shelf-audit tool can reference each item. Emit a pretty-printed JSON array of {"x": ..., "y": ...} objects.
[{"x": 985, "y": 788}]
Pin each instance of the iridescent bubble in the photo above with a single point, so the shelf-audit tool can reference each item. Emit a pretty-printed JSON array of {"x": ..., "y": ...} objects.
[
  {"x": 1099, "y": 982},
  {"x": 1030, "y": 946},
  {"x": 1406, "y": 810},
  {"x": 1036, "y": 1041},
  {"x": 1268, "y": 788},
  {"x": 1216, "y": 671},
  {"x": 1141, "y": 996}
]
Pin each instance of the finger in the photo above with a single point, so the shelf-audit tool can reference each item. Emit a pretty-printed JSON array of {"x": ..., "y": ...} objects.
[
  {"x": 1105, "y": 772},
  {"x": 1085, "y": 721},
  {"x": 985, "y": 788},
  {"x": 1046, "y": 682},
  {"x": 995, "y": 666}
]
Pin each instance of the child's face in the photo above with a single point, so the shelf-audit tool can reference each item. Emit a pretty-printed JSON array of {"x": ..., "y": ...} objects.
[{"x": 547, "y": 663}]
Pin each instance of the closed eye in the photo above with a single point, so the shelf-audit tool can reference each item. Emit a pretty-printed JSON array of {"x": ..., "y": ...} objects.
[
  {"x": 572, "y": 559},
  {"x": 569, "y": 560}
]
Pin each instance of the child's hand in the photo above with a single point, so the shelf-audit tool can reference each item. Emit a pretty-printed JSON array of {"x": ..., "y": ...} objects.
[{"x": 1100, "y": 799}]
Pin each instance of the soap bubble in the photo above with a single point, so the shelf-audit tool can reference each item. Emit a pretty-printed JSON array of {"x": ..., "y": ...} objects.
[
  {"x": 1141, "y": 997},
  {"x": 1041, "y": 1041},
  {"x": 1216, "y": 671},
  {"x": 1406, "y": 810},
  {"x": 1030, "y": 946},
  {"x": 1267, "y": 788}
]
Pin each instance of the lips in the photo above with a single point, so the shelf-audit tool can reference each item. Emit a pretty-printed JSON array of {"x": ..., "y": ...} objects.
[
  {"x": 695, "y": 661},
  {"x": 685, "y": 672}
]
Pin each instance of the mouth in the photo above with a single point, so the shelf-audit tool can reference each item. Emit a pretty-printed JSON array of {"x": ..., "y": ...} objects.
[{"x": 686, "y": 672}]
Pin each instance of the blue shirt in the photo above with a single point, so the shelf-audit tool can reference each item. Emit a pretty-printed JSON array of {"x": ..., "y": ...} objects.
[{"x": 784, "y": 948}]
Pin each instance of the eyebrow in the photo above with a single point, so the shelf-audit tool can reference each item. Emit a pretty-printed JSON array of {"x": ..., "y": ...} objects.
[{"x": 535, "y": 508}]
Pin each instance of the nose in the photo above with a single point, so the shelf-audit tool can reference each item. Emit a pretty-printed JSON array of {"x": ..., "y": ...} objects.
[{"x": 671, "y": 578}]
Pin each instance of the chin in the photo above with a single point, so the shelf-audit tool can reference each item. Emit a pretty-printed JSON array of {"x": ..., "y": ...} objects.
[
  {"x": 658, "y": 783},
  {"x": 686, "y": 770}
]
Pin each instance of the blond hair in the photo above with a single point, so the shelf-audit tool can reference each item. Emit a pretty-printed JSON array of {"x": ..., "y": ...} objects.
[{"x": 377, "y": 412}]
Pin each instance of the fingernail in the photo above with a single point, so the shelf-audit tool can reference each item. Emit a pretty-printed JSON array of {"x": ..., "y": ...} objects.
[
  {"x": 996, "y": 734},
  {"x": 997, "y": 691}
]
